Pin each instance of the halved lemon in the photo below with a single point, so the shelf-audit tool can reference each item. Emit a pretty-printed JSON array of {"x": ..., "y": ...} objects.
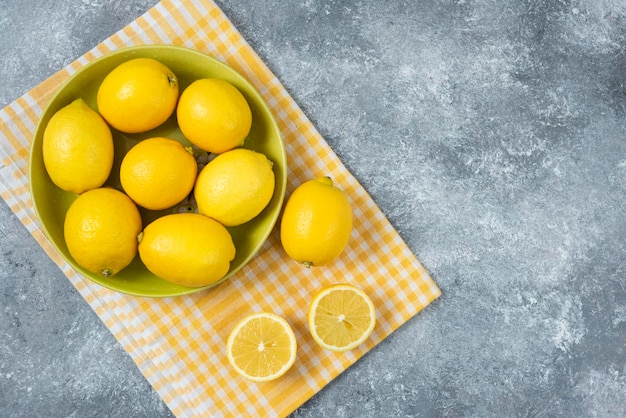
[
  {"x": 341, "y": 317},
  {"x": 262, "y": 347}
]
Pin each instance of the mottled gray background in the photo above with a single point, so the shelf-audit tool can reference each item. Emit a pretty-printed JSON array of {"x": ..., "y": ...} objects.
[{"x": 491, "y": 133}]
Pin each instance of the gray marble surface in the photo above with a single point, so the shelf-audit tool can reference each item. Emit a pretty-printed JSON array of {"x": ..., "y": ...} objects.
[{"x": 493, "y": 136}]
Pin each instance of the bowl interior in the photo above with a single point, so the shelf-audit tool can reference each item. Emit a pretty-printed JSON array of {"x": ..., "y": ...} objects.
[{"x": 51, "y": 203}]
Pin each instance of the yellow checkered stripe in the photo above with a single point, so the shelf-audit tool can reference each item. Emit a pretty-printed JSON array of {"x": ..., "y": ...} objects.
[{"x": 179, "y": 343}]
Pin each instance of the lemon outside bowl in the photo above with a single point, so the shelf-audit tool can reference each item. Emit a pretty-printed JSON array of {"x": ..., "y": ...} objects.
[{"x": 51, "y": 203}]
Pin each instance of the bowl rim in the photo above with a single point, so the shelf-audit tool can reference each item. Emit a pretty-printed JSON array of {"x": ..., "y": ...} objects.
[{"x": 274, "y": 127}]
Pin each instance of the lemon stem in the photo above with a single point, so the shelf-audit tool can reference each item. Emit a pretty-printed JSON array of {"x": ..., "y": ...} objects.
[
  {"x": 326, "y": 180},
  {"x": 140, "y": 236},
  {"x": 106, "y": 272},
  {"x": 307, "y": 264},
  {"x": 171, "y": 79}
]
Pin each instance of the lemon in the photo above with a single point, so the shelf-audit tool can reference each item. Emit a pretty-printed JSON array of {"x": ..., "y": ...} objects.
[
  {"x": 235, "y": 187},
  {"x": 100, "y": 230},
  {"x": 158, "y": 173},
  {"x": 262, "y": 347},
  {"x": 138, "y": 95},
  {"x": 341, "y": 317},
  {"x": 316, "y": 223},
  {"x": 187, "y": 248},
  {"x": 214, "y": 115},
  {"x": 77, "y": 148}
]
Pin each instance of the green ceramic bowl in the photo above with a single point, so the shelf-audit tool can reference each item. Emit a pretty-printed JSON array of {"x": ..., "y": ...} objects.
[{"x": 51, "y": 203}]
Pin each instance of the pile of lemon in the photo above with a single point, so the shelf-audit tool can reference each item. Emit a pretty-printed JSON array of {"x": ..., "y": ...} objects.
[{"x": 103, "y": 228}]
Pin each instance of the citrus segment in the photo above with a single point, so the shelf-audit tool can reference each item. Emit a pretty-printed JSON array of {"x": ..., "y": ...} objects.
[
  {"x": 187, "y": 248},
  {"x": 341, "y": 317},
  {"x": 262, "y": 347},
  {"x": 214, "y": 115},
  {"x": 158, "y": 173},
  {"x": 138, "y": 95},
  {"x": 316, "y": 223},
  {"x": 235, "y": 186},
  {"x": 77, "y": 148},
  {"x": 100, "y": 230}
]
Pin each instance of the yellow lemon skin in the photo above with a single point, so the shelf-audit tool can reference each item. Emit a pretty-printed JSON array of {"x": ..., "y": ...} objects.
[
  {"x": 316, "y": 223},
  {"x": 138, "y": 95},
  {"x": 158, "y": 173},
  {"x": 77, "y": 148},
  {"x": 188, "y": 249},
  {"x": 235, "y": 187},
  {"x": 214, "y": 115},
  {"x": 100, "y": 230}
]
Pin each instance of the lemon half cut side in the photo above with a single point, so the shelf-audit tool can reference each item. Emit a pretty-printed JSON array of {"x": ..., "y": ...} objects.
[
  {"x": 341, "y": 317},
  {"x": 262, "y": 347}
]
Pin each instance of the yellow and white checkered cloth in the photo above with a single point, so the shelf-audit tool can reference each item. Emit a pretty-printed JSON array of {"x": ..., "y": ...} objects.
[{"x": 179, "y": 343}]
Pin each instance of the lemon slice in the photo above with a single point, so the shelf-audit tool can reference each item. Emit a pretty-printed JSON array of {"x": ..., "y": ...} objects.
[
  {"x": 262, "y": 347},
  {"x": 341, "y": 317}
]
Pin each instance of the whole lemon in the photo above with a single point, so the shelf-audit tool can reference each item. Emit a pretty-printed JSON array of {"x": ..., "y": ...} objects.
[
  {"x": 100, "y": 229},
  {"x": 187, "y": 248},
  {"x": 235, "y": 187},
  {"x": 214, "y": 115},
  {"x": 77, "y": 148},
  {"x": 158, "y": 173},
  {"x": 138, "y": 95},
  {"x": 316, "y": 223}
]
